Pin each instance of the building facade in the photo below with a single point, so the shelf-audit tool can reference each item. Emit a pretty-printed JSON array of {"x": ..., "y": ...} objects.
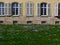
[{"x": 29, "y": 11}]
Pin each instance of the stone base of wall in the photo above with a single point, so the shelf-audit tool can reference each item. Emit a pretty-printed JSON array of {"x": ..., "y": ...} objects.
[{"x": 35, "y": 20}]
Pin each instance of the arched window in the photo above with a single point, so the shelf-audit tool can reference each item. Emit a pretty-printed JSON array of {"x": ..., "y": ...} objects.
[
  {"x": 1, "y": 8},
  {"x": 29, "y": 9},
  {"x": 15, "y": 8},
  {"x": 43, "y": 8}
]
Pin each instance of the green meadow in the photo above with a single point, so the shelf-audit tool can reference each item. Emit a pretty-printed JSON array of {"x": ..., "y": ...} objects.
[{"x": 25, "y": 34}]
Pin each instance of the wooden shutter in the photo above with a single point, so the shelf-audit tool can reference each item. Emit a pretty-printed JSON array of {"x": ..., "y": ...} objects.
[
  {"x": 5, "y": 9},
  {"x": 20, "y": 10},
  {"x": 56, "y": 9},
  {"x": 8, "y": 9},
  {"x": 38, "y": 9},
  {"x": 49, "y": 9}
]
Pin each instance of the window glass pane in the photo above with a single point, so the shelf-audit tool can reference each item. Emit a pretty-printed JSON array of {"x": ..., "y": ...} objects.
[
  {"x": 0, "y": 11},
  {"x": 13, "y": 11},
  {"x": 58, "y": 9},
  {"x": 16, "y": 11},
  {"x": 1, "y": 8},
  {"x": 43, "y": 4},
  {"x": 27, "y": 10},
  {"x": 16, "y": 4},
  {"x": 31, "y": 11},
  {"x": 2, "y": 4},
  {"x": 41, "y": 11},
  {"x": 44, "y": 11},
  {"x": 14, "y": 8},
  {"x": 31, "y": 5},
  {"x": 58, "y": 5},
  {"x": 13, "y": 5}
]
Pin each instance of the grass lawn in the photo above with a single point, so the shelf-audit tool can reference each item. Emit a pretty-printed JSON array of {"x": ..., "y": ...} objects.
[{"x": 29, "y": 34}]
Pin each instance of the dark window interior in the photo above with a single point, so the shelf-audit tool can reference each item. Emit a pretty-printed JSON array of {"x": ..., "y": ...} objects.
[
  {"x": 14, "y": 22},
  {"x": 1, "y": 21},
  {"x": 43, "y": 8},
  {"x": 1, "y": 8},
  {"x": 29, "y": 22},
  {"x": 56, "y": 22},
  {"x": 15, "y": 8},
  {"x": 43, "y": 22},
  {"x": 58, "y": 9}
]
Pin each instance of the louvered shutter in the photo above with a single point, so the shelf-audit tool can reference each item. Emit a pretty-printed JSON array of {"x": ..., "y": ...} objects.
[
  {"x": 31, "y": 9},
  {"x": 56, "y": 9},
  {"x": 38, "y": 9},
  {"x": 49, "y": 13},
  {"x": 8, "y": 9},
  {"x": 20, "y": 10},
  {"x": 5, "y": 9}
]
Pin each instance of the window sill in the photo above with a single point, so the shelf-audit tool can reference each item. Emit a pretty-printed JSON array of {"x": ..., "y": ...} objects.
[
  {"x": 29, "y": 16},
  {"x": 44, "y": 15},
  {"x": 2, "y": 15},
  {"x": 15, "y": 15}
]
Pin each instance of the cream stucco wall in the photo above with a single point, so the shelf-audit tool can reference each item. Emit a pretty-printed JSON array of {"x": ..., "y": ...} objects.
[
  {"x": 52, "y": 2},
  {"x": 35, "y": 19}
]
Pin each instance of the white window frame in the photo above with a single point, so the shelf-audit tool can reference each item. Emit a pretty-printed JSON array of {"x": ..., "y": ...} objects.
[
  {"x": 29, "y": 8},
  {"x": 38, "y": 8}
]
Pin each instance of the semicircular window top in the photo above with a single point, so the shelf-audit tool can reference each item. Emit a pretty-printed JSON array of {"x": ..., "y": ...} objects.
[
  {"x": 1, "y": 8},
  {"x": 43, "y": 9},
  {"x": 14, "y": 8}
]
